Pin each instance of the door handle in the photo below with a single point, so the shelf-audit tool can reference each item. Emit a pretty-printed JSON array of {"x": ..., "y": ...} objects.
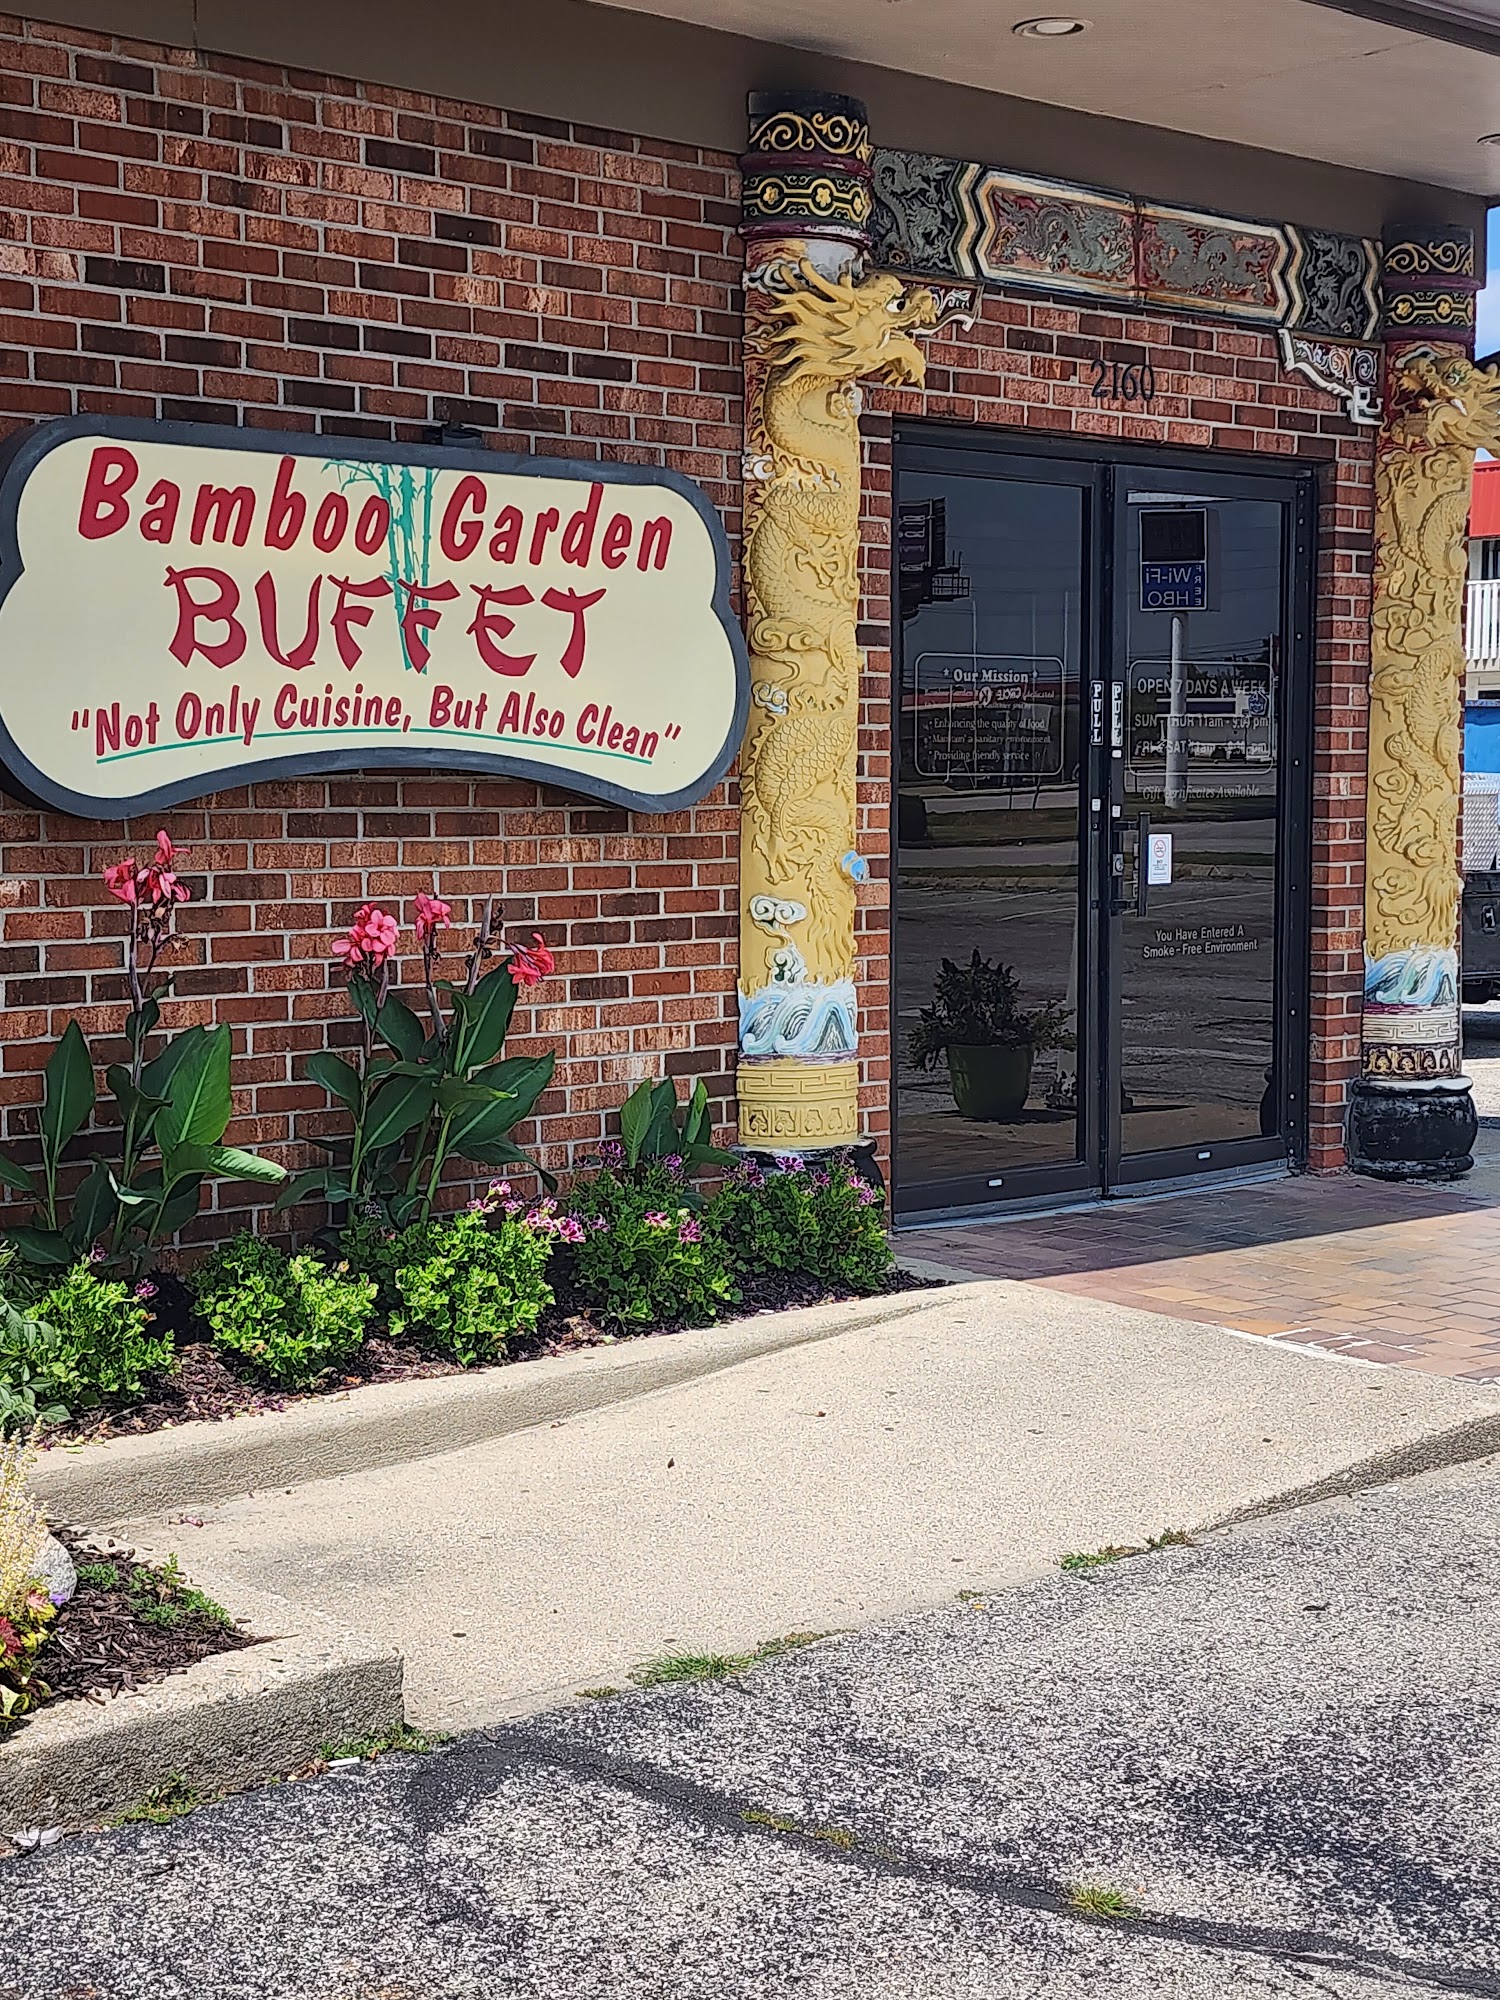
[{"x": 1142, "y": 870}]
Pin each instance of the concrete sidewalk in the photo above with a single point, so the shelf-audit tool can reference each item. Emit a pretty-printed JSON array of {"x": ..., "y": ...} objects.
[{"x": 967, "y": 1444}]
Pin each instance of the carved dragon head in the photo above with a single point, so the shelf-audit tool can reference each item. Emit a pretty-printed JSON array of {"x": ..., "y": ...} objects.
[
  {"x": 1450, "y": 400},
  {"x": 848, "y": 329}
]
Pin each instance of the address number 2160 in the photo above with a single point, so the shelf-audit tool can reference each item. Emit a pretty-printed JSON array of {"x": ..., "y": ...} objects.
[{"x": 1123, "y": 382}]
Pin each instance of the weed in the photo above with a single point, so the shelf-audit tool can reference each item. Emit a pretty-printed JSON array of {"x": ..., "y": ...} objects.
[
  {"x": 414, "y": 1742},
  {"x": 164, "y": 1802},
  {"x": 99, "y": 1576},
  {"x": 1170, "y": 1538},
  {"x": 1096, "y": 1558},
  {"x": 163, "y": 1597},
  {"x": 831, "y": 1836},
  {"x": 670, "y": 1667},
  {"x": 1093, "y": 1899},
  {"x": 596, "y": 1694}
]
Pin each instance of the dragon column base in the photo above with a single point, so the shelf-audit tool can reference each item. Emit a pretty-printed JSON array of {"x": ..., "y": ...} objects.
[{"x": 1406, "y": 1131}]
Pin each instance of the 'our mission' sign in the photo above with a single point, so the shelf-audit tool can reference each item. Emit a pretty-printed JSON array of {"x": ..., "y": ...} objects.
[{"x": 184, "y": 608}]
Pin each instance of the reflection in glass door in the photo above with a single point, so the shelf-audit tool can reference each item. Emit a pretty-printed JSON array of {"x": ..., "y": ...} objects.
[
  {"x": 994, "y": 610},
  {"x": 1202, "y": 589},
  {"x": 1100, "y": 879}
]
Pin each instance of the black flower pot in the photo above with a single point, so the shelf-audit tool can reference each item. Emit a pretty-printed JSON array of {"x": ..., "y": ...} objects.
[{"x": 990, "y": 1082}]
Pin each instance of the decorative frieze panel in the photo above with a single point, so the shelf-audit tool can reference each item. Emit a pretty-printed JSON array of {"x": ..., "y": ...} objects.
[{"x": 953, "y": 218}]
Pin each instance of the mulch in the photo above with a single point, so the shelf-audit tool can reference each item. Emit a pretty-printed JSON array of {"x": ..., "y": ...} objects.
[
  {"x": 201, "y": 1388},
  {"x": 99, "y": 1645}
]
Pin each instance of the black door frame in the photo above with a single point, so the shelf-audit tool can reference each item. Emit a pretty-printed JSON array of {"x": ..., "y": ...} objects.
[{"x": 1101, "y": 1171}]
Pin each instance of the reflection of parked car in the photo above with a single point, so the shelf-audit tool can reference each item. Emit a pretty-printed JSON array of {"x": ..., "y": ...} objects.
[{"x": 1479, "y": 945}]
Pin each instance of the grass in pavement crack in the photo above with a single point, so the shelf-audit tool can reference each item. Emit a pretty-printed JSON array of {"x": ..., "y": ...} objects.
[
  {"x": 670, "y": 1667},
  {"x": 1113, "y": 1552}
]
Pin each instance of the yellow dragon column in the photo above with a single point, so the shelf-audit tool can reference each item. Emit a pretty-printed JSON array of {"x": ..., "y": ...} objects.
[
  {"x": 817, "y": 324},
  {"x": 1411, "y": 1114}
]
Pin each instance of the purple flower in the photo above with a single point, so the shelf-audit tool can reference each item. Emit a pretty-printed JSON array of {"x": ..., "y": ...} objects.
[
  {"x": 145, "y": 1289},
  {"x": 97, "y": 1254},
  {"x": 689, "y": 1230},
  {"x": 514, "y": 1207},
  {"x": 789, "y": 1163},
  {"x": 865, "y": 1195},
  {"x": 477, "y": 1207},
  {"x": 673, "y": 1163},
  {"x": 597, "y": 1222},
  {"x": 500, "y": 1188},
  {"x": 612, "y": 1153},
  {"x": 656, "y": 1219},
  {"x": 570, "y": 1229}
]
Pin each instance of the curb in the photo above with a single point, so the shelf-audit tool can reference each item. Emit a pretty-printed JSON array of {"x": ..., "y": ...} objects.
[
  {"x": 232, "y": 1720},
  {"x": 392, "y": 1423},
  {"x": 1459, "y": 1444}
]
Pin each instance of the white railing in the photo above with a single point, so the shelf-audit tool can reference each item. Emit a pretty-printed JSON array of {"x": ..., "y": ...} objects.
[{"x": 1482, "y": 624}]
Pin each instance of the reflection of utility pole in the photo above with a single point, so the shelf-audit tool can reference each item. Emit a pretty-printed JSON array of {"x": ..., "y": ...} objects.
[{"x": 1177, "y": 717}]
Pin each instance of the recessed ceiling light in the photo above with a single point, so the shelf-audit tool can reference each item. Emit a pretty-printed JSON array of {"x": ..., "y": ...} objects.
[{"x": 1050, "y": 27}]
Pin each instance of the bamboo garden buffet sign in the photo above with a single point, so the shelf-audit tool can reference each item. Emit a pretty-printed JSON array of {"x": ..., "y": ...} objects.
[{"x": 185, "y": 608}]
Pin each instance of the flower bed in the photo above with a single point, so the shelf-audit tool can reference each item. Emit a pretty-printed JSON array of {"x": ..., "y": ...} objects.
[
  {"x": 117, "y": 1624},
  {"x": 128, "y": 1623},
  {"x": 105, "y": 1326},
  {"x": 625, "y": 1253}
]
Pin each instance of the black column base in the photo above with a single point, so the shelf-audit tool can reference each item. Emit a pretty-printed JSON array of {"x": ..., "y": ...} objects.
[
  {"x": 1412, "y": 1131},
  {"x": 861, "y": 1158}
]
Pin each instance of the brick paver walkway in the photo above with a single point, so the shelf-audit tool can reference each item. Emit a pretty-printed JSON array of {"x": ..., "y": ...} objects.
[{"x": 1396, "y": 1274}]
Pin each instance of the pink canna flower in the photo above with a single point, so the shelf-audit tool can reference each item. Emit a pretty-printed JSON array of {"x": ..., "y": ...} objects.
[
  {"x": 154, "y": 885},
  {"x": 432, "y": 914},
  {"x": 120, "y": 878},
  {"x": 530, "y": 965},
  {"x": 159, "y": 877},
  {"x": 371, "y": 939}
]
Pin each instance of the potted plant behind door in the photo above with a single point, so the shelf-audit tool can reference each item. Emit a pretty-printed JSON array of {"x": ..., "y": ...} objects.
[{"x": 988, "y": 1039}]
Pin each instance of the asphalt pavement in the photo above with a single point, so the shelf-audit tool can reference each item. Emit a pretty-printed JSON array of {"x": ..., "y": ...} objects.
[{"x": 1272, "y": 1752}]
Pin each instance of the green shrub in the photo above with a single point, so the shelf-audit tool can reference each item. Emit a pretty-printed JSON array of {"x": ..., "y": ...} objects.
[
  {"x": 820, "y": 1222},
  {"x": 469, "y": 1282},
  {"x": 30, "y": 1371},
  {"x": 289, "y": 1319},
  {"x": 371, "y": 1248},
  {"x": 641, "y": 1256},
  {"x": 103, "y": 1347}
]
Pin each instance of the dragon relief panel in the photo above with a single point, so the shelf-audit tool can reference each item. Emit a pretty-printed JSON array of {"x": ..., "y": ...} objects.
[
  {"x": 1442, "y": 408},
  {"x": 813, "y": 338}
]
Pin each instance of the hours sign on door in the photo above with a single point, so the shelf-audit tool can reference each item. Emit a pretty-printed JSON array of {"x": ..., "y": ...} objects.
[{"x": 183, "y": 609}]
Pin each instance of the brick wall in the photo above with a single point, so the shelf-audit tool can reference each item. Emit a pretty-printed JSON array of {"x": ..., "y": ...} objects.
[
  {"x": 1028, "y": 365},
  {"x": 211, "y": 240},
  {"x": 199, "y": 238}
]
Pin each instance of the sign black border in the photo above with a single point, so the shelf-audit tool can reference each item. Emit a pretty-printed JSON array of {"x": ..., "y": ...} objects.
[{"x": 21, "y": 455}]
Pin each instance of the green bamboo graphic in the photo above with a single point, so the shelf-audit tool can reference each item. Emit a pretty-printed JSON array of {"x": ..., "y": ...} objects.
[{"x": 408, "y": 491}]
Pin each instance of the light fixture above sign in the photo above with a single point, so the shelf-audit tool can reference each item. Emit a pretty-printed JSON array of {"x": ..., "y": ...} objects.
[{"x": 185, "y": 608}]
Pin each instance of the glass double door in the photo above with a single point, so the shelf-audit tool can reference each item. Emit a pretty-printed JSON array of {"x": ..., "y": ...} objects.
[{"x": 1101, "y": 720}]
